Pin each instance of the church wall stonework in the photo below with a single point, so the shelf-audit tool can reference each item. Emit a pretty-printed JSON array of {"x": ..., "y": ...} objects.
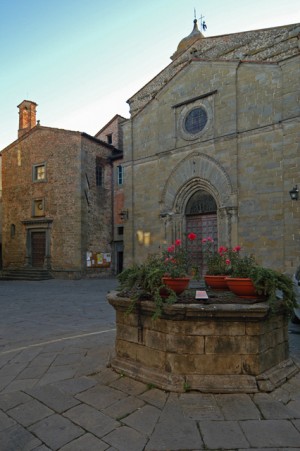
[{"x": 246, "y": 157}]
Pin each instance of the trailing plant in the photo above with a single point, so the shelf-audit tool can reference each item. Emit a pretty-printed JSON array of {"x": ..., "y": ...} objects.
[
  {"x": 144, "y": 281},
  {"x": 277, "y": 287}
]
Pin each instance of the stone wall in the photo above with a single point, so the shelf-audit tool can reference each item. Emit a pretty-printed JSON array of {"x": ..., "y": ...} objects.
[
  {"x": 214, "y": 347},
  {"x": 246, "y": 157},
  {"x": 77, "y": 214}
]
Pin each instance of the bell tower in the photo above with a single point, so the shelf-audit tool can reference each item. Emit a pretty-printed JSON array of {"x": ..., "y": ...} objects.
[{"x": 27, "y": 116}]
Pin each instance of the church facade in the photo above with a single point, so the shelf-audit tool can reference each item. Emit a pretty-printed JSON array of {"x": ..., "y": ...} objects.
[{"x": 212, "y": 147}]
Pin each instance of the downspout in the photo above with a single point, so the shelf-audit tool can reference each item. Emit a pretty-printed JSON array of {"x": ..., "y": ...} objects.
[
  {"x": 132, "y": 196},
  {"x": 237, "y": 156},
  {"x": 113, "y": 270}
]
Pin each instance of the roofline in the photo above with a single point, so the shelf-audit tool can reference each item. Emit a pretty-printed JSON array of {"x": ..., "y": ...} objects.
[
  {"x": 30, "y": 101},
  {"x": 109, "y": 122},
  {"x": 61, "y": 130},
  {"x": 206, "y": 38},
  {"x": 254, "y": 30}
]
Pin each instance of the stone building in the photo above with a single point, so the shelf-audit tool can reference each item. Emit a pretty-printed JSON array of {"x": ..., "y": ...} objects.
[
  {"x": 112, "y": 133},
  {"x": 212, "y": 146},
  {"x": 0, "y": 211},
  {"x": 57, "y": 200}
]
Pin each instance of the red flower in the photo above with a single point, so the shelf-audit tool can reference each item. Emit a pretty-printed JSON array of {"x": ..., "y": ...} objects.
[
  {"x": 222, "y": 250},
  {"x": 227, "y": 261},
  {"x": 171, "y": 248},
  {"x": 236, "y": 249},
  {"x": 192, "y": 236},
  {"x": 177, "y": 242}
]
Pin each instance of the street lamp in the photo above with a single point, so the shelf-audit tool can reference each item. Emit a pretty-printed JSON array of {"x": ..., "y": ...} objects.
[{"x": 294, "y": 193}]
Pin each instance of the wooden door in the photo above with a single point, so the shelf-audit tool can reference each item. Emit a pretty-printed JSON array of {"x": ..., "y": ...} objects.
[
  {"x": 204, "y": 225},
  {"x": 38, "y": 248}
]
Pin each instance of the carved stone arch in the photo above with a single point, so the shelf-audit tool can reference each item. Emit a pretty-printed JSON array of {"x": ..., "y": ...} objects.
[
  {"x": 194, "y": 172},
  {"x": 200, "y": 172}
]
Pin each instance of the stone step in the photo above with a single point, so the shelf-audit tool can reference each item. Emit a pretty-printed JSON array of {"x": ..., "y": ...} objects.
[{"x": 26, "y": 274}]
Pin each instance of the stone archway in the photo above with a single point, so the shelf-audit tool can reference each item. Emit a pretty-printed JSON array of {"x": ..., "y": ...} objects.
[{"x": 200, "y": 172}]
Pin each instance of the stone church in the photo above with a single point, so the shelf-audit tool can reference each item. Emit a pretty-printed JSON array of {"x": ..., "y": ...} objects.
[{"x": 212, "y": 146}]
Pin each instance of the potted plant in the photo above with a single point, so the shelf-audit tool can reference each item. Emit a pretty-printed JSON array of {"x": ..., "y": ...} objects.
[
  {"x": 217, "y": 263},
  {"x": 177, "y": 266},
  {"x": 248, "y": 279},
  {"x": 152, "y": 280},
  {"x": 239, "y": 280}
]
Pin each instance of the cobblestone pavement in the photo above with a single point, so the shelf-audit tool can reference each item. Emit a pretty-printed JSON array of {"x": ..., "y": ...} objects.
[{"x": 56, "y": 392}]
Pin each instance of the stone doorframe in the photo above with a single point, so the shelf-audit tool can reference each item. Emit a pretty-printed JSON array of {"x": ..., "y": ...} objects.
[
  {"x": 38, "y": 225},
  {"x": 199, "y": 172}
]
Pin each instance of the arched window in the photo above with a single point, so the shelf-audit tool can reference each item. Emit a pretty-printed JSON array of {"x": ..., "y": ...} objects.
[{"x": 200, "y": 203}]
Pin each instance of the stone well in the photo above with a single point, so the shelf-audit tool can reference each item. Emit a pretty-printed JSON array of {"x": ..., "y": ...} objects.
[{"x": 216, "y": 348}]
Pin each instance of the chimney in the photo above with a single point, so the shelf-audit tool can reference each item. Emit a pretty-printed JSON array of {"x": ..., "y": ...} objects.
[{"x": 27, "y": 116}]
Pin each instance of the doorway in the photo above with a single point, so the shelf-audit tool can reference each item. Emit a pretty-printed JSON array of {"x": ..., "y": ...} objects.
[
  {"x": 201, "y": 219},
  {"x": 38, "y": 249}
]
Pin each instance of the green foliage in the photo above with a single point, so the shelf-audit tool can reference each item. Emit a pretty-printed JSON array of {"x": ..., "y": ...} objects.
[
  {"x": 145, "y": 282},
  {"x": 186, "y": 386},
  {"x": 241, "y": 266},
  {"x": 277, "y": 287}
]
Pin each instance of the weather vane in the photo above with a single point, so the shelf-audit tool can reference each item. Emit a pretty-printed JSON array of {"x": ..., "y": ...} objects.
[{"x": 203, "y": 25}]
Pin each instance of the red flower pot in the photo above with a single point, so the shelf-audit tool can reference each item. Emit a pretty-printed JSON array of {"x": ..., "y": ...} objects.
[
  {"x": 216, "y": 282},
  {"x": 241, "y": 287},
  {"x": 179, "y": 284}
]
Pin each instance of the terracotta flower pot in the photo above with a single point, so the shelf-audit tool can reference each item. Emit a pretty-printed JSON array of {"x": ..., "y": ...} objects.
[
  {"x": 216, "y": 282},
  {"x": 242, "y": 287},
  {"x": 179, "y": 284}
]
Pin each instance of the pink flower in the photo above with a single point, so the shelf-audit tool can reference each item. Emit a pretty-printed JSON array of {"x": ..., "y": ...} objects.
[
  {"x": 210, "y": 239},
  {"x": 222, "y": 250},
  {"x": 171, "y": 248},
  {"x": 236, "y": 249},
  {"x": 204, "y": 240},
  {"x": 177, "y": 242},
  {"x": 192, "y": 236},
  {"x": 227, "y": 261}
]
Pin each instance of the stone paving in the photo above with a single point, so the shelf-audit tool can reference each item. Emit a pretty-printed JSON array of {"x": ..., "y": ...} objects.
[{"x": 57, "y": 393}]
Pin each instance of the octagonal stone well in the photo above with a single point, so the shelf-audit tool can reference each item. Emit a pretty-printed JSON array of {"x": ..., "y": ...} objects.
[{"x": 216, "y": 348}]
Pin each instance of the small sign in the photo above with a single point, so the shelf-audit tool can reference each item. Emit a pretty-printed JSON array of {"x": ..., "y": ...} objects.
[{"x": 201, "y": 295}]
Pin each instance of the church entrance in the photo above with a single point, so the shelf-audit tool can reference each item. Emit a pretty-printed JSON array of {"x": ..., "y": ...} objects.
[{"x": 201, "y": 219}]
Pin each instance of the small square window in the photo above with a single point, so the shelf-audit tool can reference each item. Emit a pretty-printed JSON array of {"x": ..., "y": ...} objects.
[{"x": 39, "y": 172}]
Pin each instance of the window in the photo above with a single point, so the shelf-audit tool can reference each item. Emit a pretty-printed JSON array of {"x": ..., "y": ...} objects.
[
  {"x": 39, "y": 172},
  {"x": 120, "y": 231},
  {"x": 12, "y": 230},
  {"x": 99, "y": 175},
  {"x": 195, "y": 121},
  {"x": 109, "y": 138},
  {"x": 120, "y": 175}
]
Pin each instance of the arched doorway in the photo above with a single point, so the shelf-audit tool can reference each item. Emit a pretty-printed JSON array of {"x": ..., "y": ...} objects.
[{"x": 201, "y": 219}]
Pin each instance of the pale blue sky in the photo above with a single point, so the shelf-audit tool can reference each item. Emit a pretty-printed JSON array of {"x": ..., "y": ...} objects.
[{"x": 81, "y": 60}]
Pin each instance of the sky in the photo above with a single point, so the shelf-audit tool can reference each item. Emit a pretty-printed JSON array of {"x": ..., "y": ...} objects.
[{"x": 80, "y": 61}]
